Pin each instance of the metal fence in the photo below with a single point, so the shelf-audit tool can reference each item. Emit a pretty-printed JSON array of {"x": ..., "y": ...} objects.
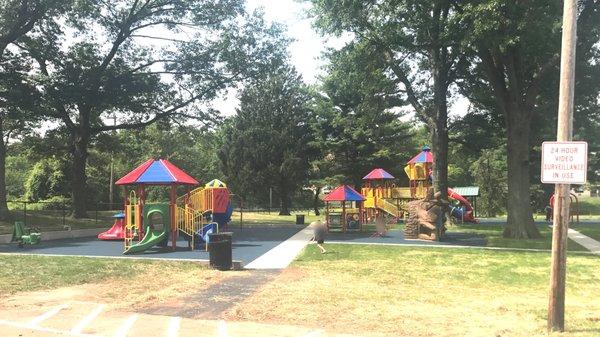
[{"x": 55, "y": 215}]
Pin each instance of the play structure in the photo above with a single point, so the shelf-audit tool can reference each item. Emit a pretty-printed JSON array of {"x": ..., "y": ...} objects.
[
  {"x": 24, "y": 235},
  {"x": 346, "y": 216},
  {"x": 382, "y": 196},
  {"x": 193, "y": 216},
  {"x": 117, "y": 231},
  {"x": 574, "y": 211},
  {"x": 426, "y": 218}
]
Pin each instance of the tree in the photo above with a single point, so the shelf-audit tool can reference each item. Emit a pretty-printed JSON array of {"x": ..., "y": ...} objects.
[
  {"x": 515, "y": 55},
  {"x": 267, "y": 141},
  {"x": 17, "y": 18},
  {"x": 490, "y": 175},
  {"x": 143, "y": 61},
  {"x": 420, "y": 44},
  {"x": 356, "y": 125}
]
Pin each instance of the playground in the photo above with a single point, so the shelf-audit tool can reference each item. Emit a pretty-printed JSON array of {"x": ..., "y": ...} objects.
[
  {"x": 181, "y": 229},
  {"x": 378, "y": 249},
  {"x": 248, "y": 244}
]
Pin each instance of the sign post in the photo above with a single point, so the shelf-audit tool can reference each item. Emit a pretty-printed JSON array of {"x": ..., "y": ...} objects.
[{"x": 564, "y": 133}]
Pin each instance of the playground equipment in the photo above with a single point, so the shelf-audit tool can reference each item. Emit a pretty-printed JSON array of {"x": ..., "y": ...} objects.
[
  {"x": 156, "y": 219},
  {"x": 193, "y": 216},
  {"x": 574, "y": 213},
  {"x": 204, "y": 210},
  {"x": 383, "y": 197},
  {"x": 348, "y": 218},
  {"x": 25, "y": 236},
  {"x": 426, "y": 218},
  {"x": 463, "y": 212},
  {"x": 117, "y": 231}
]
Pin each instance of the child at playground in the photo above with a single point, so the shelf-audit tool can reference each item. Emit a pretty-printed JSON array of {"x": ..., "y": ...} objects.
[
  {"x": 319, "y": 231},
  {"x": 548, "y": 210}
]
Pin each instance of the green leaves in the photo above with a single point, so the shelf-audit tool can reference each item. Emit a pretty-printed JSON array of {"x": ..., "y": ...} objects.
[{"x": 266, "y": 144}]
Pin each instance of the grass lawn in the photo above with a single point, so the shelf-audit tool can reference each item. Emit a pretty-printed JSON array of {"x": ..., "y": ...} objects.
[
  {"x": 591, "y": 230},
  {"x": 50, "y": 220},
  {"x": 254, "y": 218},
  {"x": 53, "y": 220},
  {"x": 493, "y": 235},
  {"x": 407, "y": 291},
  {"x": 27, "y": 273},
  {"x": 589, "y": 206}
]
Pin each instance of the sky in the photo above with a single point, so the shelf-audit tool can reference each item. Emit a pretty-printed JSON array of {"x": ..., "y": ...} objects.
[
  {"x": 307, "y": 47},
  {"x": 305, "y": 50}
]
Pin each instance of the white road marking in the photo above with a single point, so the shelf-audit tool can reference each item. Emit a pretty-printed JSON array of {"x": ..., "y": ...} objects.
[
  {"x": 314, "y": 333},
  {"x": 124, "y": 329},
  {"x": 42, "y": 329},
  {"x": 223, "y": 329},
  {"x": 87, "y": 319},
  {"x": 173, "y": 330},
  {"x": 46, "y": 315}
]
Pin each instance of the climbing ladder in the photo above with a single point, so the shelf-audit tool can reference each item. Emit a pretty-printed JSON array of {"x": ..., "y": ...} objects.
[{"x": 132, "y": 219}]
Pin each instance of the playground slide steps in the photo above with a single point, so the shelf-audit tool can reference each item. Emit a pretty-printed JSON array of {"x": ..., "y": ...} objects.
[{"x": 388, "y": 207}]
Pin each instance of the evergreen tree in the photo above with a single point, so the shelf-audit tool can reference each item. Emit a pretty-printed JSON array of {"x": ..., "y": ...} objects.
[{"x": 266, "y": 144}]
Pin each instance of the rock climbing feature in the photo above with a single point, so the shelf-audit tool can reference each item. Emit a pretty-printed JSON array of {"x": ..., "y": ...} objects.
[{"x": 426, "y": 218}]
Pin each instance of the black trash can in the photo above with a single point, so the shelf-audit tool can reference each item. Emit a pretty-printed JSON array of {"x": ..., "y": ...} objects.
[
  {"x": 219, "y": 250},
  {"x": 299, "y": 219}
]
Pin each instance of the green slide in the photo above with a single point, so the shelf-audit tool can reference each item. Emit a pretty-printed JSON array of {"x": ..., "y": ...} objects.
[{"x": 151, "y": 239}]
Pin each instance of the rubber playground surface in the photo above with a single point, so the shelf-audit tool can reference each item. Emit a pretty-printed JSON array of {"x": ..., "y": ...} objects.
[{"x": 248, "y": 244}]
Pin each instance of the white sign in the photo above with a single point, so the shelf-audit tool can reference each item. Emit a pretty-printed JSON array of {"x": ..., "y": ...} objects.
[{"x": 564, "y": 162}]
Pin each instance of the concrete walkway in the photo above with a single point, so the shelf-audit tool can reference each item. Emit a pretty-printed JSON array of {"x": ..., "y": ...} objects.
[
  {"x": 88, "y": 319},
  {"x": 284, "y": 253},
  {"x": 589, "y": 243}
]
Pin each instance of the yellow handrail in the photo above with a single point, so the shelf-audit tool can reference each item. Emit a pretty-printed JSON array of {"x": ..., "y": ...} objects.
[
  {"x": 132, "y": 219},
  {"x": 200, "y": 199},
  {"x": 387, "y": 207},
  {"x": 188, "y": 221}
]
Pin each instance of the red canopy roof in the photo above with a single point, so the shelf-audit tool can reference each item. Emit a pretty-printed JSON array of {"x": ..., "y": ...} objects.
[
  {"x": 378, "y": 173},
  {"x": 344, "y": 193},
  {"x": 157, "y": 172}
]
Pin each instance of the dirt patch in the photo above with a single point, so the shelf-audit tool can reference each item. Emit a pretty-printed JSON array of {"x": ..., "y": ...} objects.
[
  {"x": 140, "y": 291},
  {"x": 292, "y": 274},
  {"x": 213, "y": 301}
]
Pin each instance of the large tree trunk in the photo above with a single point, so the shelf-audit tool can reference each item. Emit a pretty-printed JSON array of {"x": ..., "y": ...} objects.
[
  {"x": 4, "y": 213},
  {"x": 439, "y": 134},
  {"x": 316, "y": 201},
  {"x": 520, "y": 223},
  {"x": 284, "y": 208},
  {"x": 81, "y": 140}
]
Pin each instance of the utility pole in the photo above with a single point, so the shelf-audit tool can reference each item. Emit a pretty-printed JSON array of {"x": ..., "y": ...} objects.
[{"x": 564, "y": 133}]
